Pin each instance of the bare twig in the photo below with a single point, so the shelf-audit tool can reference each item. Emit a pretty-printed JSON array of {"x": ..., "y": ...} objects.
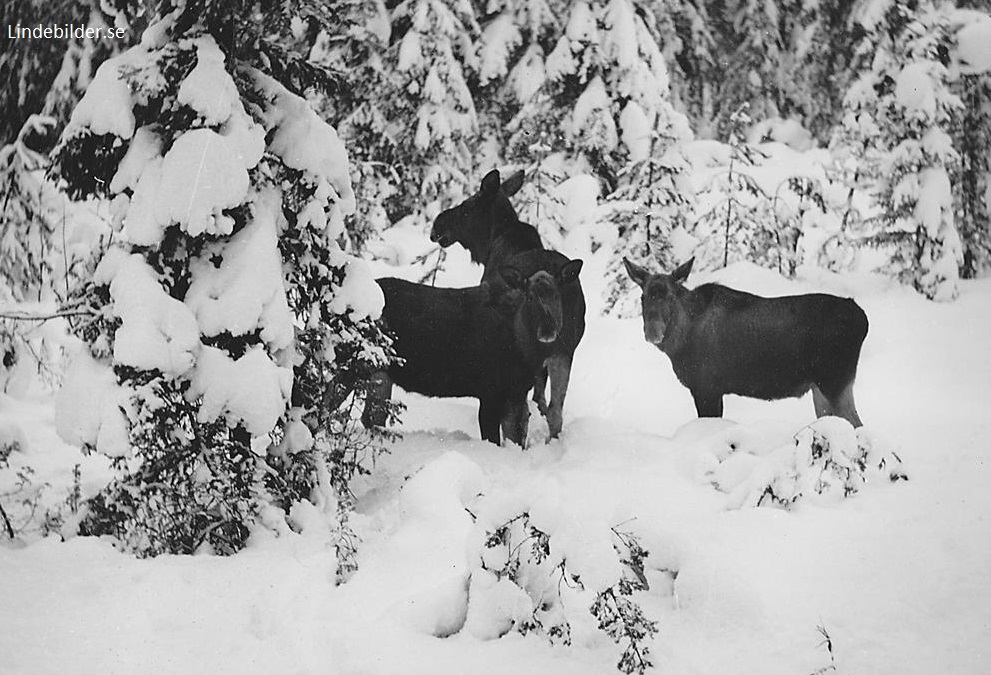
[
  {"x": 19, "y": 315},
  {"x": 6, "y": 522}
]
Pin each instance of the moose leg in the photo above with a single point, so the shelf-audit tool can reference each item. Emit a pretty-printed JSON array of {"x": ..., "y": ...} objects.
[
  {"x": 515, "y": 421},
  {"x": 821, "y": 403},
  {"x": 708, "y": 404},
  {"x": 540, "y": 391},
  {"x": 380, "y": 390},
  {"x": 840, "y": 404},
  {"x": 488, "y": 420},
  {"x": 559, "y": 370}
]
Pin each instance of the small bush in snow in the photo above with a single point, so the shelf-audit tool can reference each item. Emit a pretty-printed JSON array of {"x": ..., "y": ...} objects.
[
  {"x": 618, "y": 615},
  {"x": 526, "y": 557},
  {"x": 827, "y": 643},
  {"x": 21, "y": 495},
  {"x": 829, "y": 457}
]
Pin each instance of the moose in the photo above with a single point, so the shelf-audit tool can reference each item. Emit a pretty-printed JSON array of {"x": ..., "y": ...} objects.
[
  {"x": 725, "y": 341},
  {"x": 488, "y": 342},
  {"x": 487, "y": 225}
]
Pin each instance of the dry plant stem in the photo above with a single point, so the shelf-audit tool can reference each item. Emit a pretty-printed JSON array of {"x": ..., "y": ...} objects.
[{"x": 6, "y": 522}]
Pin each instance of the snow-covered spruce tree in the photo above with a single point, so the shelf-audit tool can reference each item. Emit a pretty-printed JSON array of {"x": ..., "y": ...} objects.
[
  {"x": 540, "y": 200},
  {"x": 43, "y": 80},
  {"x": 427, "y": 102},
  {"x": 512, "y": 48},
  {"x": 822, "y": 45},
  {"x": 647, "y": 209},
  {"x": 47, "y": 76},
  {"x": 604, "y": 90},
  {"x": 28, "y": 212},
  {"x": 972, "y": 139},
  {"x": 755, "y": 54},
  {"x": 897, "y": 118},
  {"x": 230, "y": 329},
  {"x": 972, "y": 177},
  {"x": 355, "y": 51},
  {"x": 735, "y": 221},
  {"x": 690, "y": 48}
]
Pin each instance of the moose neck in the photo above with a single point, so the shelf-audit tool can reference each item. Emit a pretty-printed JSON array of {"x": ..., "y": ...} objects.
[
  {"x": 676, "y": 336},
  {"x": 483, "y": 237}
]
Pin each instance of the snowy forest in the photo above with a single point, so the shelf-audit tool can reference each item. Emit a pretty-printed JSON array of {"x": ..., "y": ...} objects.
[{"x": 198, "y": 471}]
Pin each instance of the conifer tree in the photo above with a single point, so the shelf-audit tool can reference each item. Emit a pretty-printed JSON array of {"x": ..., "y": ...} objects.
[
  {"x": 229, "y": 330},
  {"x": 605, "y": 90},
  {"x": 752, "y": 27},
  {"x": 898, "y": 116},
  {"x": 972, "y": 138},
  {"x": 647, "y": 209},
  {"x": 429, "y": 100},
  {"x": 47, "y": 76},
  {"x": 356, "y": 52}
]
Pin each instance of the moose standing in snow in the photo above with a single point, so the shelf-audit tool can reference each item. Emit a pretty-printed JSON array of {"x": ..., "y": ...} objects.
[
  {"x": 487, "y": 225},
  {"x": 724, "y": 341},
  {"x": 487, "y": 342}
]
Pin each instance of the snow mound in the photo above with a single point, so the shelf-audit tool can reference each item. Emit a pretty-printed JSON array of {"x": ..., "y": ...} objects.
[
  {"x": 974, "y": 46},
  {"x": 208, "y": 89},
  {"x": 157, "y": 332},
  {"x": 246, "y": 292},
  {"x": 106, "y": 107},
  {"x": 358, "y": 295},
  {"x": 251, "y": 389},
  {"x": 914, "y": 89},
  {"x": 88, "y": 408},
  {"x": 307, "y": 143}
]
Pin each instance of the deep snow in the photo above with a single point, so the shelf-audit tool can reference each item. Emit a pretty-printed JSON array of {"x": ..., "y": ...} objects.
[{"x": 899, "y": 575}]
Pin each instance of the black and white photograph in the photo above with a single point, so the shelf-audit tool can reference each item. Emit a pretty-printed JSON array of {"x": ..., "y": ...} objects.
[{"x": 495, "y": 337}]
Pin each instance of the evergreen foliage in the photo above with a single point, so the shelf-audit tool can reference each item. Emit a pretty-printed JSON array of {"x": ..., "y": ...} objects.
[
  {"x": 647, "y": 209},
  {"x": 971, "y": 176},
  {"x": 898, "y": 117},
  {"x": 519, "y": 552},
  {"x": 246, "y": 410},
  {"x": 735, "y": 221}
]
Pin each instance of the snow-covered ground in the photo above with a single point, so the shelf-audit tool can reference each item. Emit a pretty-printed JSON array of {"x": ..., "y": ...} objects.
[{"x": 898, "y": 575}]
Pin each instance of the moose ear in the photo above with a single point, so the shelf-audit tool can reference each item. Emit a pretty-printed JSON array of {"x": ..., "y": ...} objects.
[
  {"x": 682, "y": 271},
  {"x": 637, "y": 273},
  {"x": 512, "y": 277},
  {"x": 490, "y": 184},
  {"x": 512, "y": 185},
  {"x": 570, "y": 270}
]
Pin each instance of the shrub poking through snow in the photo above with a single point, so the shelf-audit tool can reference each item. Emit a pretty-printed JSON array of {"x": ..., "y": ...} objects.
[
  {"x": 20, "y": 493},
  {"x": 230, "y": 333},
  {"x": 828, "y": 459},
  {"x": 526, "y": 582},
  {"x": 827, "y": 644},
  {"x": 619, "y": 616}
]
